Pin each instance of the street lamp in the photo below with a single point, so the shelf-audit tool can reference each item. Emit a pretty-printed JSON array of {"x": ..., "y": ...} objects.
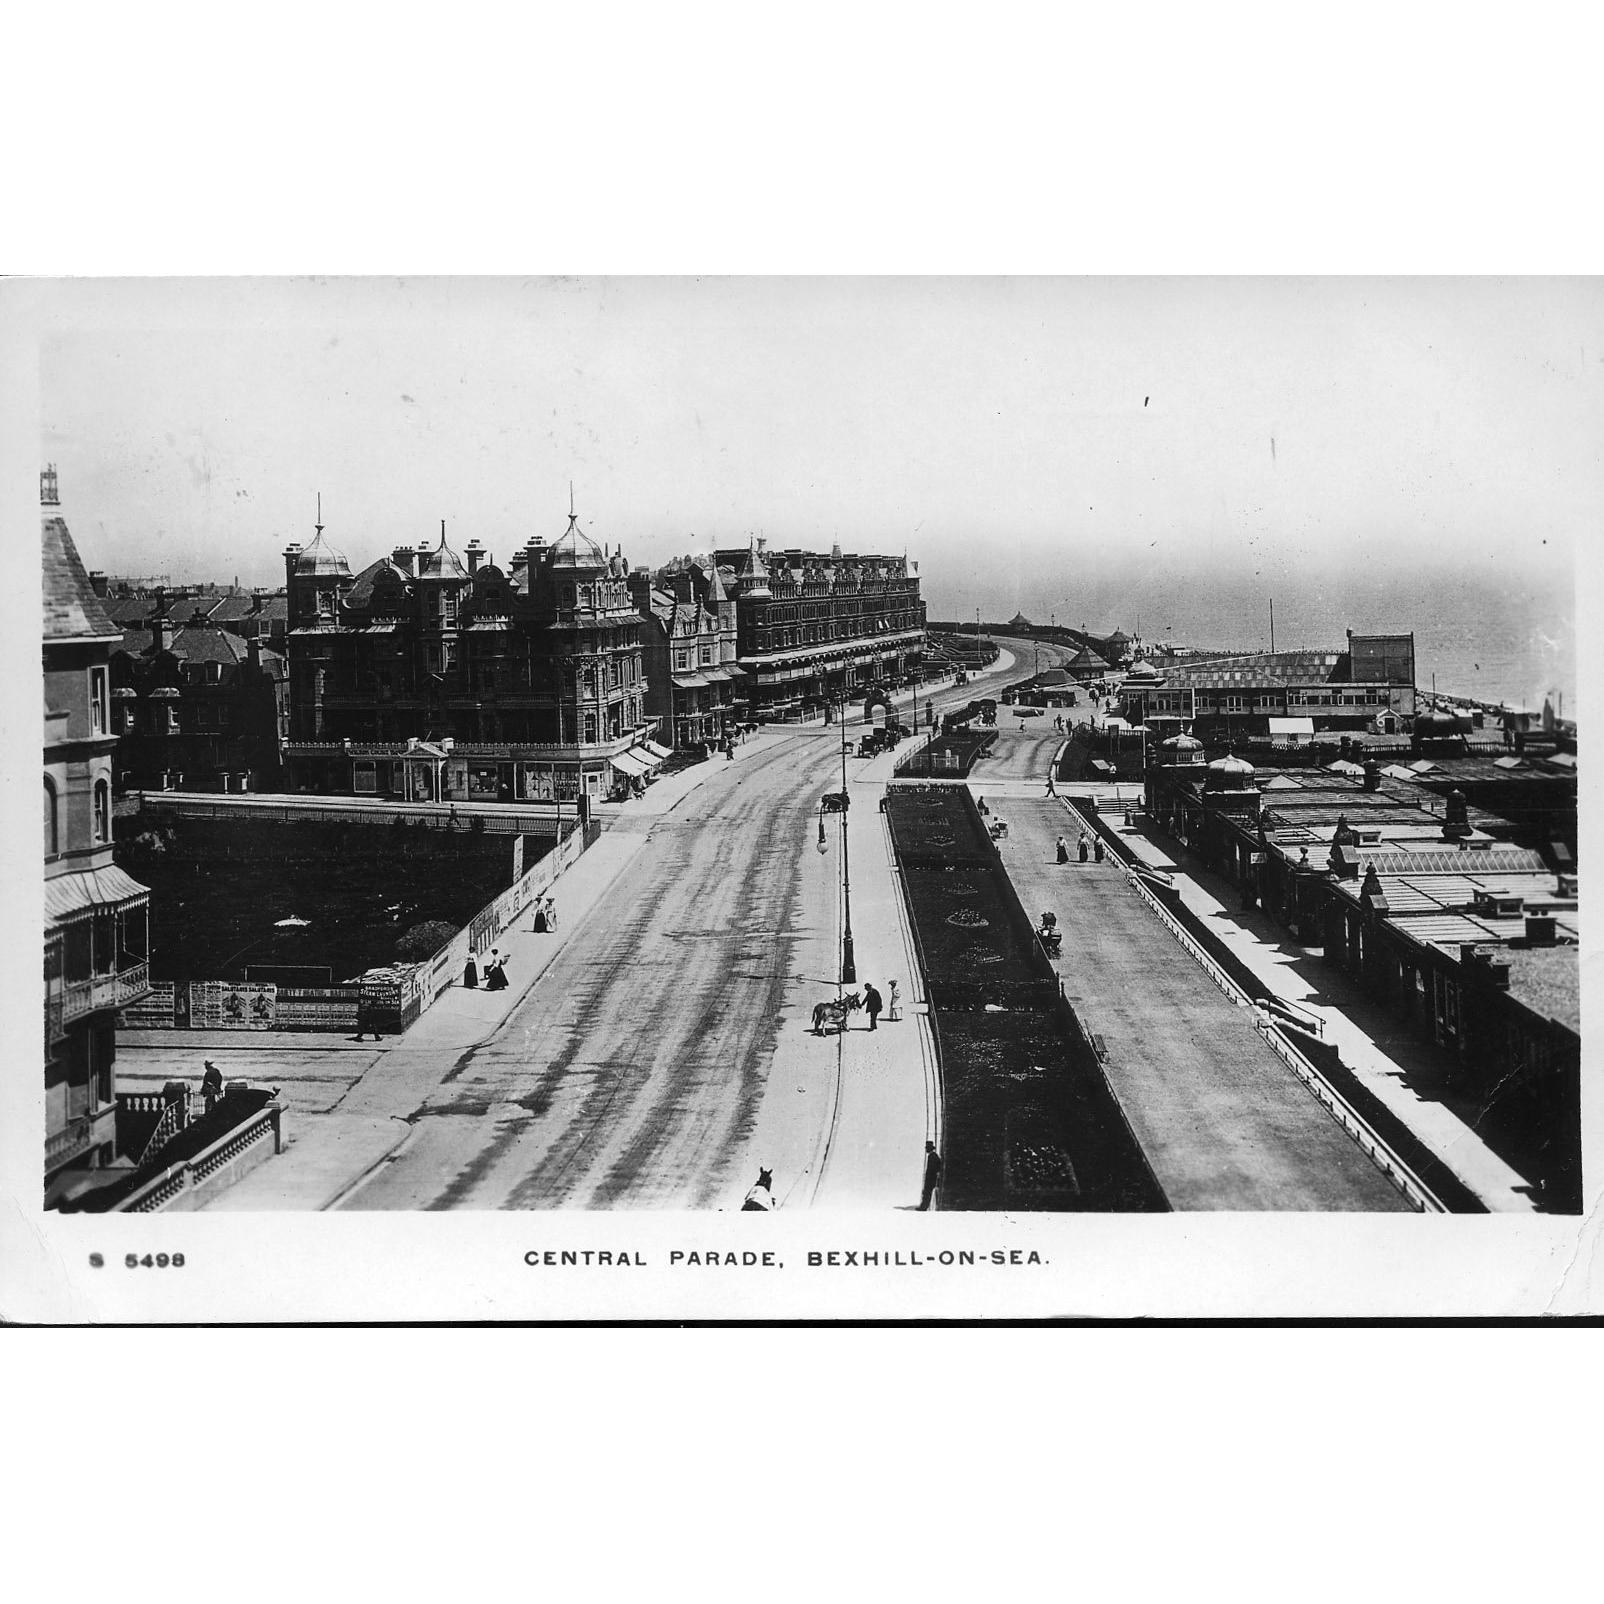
[{"x": 849, "y": 968}]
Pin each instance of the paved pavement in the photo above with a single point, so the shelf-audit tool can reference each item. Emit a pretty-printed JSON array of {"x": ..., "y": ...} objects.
[
  {"x": 1223, "y": 1121},
  {"x": 656, "y": 1048},
  {"x": 1404, "y": 1072}
]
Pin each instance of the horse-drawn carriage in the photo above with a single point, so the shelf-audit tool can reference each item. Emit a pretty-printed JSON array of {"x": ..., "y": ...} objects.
[
  {"x": 998, "y": 829},
  {"x": 1049, "y": 935}
]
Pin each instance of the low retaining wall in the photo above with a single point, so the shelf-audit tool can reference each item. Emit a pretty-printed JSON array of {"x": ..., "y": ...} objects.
[
  {"x": 444, "y": 969},
  {"x": 389, "y": 1000}
]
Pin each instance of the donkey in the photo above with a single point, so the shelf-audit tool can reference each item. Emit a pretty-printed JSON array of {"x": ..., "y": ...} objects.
[
  {"x": 760, "y": 1198},
  {"x": 836, "y": 1012}
]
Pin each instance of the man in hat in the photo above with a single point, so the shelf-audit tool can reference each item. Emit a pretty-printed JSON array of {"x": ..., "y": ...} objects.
[
  {"x": 212, "y": 1086},
  {"x": 871, "y": 1004},
  {"x": 932, "y": 1174}
]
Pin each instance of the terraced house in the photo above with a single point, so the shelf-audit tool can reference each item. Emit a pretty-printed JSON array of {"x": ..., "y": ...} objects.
[
  {"x": 815, "y": 628},
  {"x": 434, "y": 674},
  {"x": 96, "y": 933},
  {"x": 690, "y": 652}
]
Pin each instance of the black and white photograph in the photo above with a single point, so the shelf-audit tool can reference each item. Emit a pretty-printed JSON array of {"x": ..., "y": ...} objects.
[{"x": 1008, "y": 749}]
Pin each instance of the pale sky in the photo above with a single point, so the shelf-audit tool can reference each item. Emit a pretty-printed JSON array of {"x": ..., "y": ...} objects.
[{"x": 1020, "y": 438}]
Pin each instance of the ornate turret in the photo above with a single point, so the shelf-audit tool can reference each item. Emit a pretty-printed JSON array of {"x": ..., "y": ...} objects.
[
  {"x": 315, "y": 577},
  {"x": 1229, "y": 773}
]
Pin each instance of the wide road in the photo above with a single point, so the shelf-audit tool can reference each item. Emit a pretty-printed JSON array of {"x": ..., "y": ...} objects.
[
  {"x": 655, "y": 1062},
  {"x": 632, "y": 1071}
]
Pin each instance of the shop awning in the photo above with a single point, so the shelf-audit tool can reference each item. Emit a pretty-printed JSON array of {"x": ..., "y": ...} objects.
[
  {"x": 632, "y": 764},
  {"x": 68, "y": 894},
  {"x": 689, "y": 682},
  {"x": 659, "y": 752}
]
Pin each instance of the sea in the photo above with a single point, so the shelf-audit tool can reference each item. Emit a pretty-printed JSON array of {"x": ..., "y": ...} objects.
[{"x": 1482, "y": 637}]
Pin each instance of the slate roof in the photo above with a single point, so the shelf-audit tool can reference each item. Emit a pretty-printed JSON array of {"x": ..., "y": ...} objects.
[
  {"x": 361, "y": 591},
  {"x": 130, "y": 609},
  {"x": 237, "y": 609},
  {"x": 192, "y": 643},
  {"x": 72, "y": 610}
]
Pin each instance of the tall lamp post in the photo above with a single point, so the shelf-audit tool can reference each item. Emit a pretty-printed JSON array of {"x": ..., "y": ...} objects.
[{"x": 849, "y": 967}]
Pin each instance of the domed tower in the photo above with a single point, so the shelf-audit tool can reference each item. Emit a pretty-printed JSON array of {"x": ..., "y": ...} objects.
[
  {"x": 442, "y": 579},
  {"x": 1229, "y": 774},
  {"x": 315, "y": 579},
  {"x": 582, "y": 595}
]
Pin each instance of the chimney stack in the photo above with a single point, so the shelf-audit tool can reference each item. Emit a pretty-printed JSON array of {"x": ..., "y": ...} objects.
[
  {"x": 475, "y": 554},
  {"x": 1372, "y": 781},
  {"x": 1540, "y": 929},
  {"x": 1456, "y": 824},
  {"x": 97, "y": 582},
  {"x": 405, "y": 558}
]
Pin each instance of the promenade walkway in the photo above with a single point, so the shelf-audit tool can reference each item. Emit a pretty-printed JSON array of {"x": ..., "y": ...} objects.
[
  {"x": 1223, "y": 1121},
  {"x": 1404, "y": 1072}
]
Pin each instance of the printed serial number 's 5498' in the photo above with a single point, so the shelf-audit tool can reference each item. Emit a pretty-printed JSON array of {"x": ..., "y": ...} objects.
[{"x": 157, "y": 1261}]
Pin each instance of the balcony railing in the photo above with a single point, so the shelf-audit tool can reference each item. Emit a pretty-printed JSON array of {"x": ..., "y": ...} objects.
[
  {"x": 80, "y": 997},
  {"x": 75, "y": 1137}
]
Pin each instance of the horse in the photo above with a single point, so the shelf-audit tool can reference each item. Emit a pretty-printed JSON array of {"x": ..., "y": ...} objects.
[
  {"x": 760, "y": 1197},
  {"x": 836, "y": 1012}
]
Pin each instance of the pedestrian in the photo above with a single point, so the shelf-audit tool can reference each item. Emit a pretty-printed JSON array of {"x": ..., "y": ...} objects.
[
  {"x": 542, "y": 922},
  {"x": 470, "y": 978},
  {"x": 1084, "y": 845},
  {"x": 496, "y": 971},
  {"x": 1051, "y": 789},
  {"x": 211, "y": 1086},
  {"x": 982, "y": 808},
  {"x": 1097, "y": 848},
  {"x": 1063, "y": 850},
  {"x": 551, "y": 913},
  {"x": 932, "y": 1175},
  {"x": 366, "y": 1019},
  {"x": 894, "y": 1007},
  {"x": 872, "y": 1003},
  {"x": 451, "y": 823}
]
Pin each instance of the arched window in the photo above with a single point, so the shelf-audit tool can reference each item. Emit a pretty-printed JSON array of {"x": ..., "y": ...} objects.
[
  {"x": 52, "y": 821},
  {"x": 102, "y": 811}
]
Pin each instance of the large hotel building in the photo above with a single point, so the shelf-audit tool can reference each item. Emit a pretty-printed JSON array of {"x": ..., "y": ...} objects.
[{"x": 814, "y": 629}]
